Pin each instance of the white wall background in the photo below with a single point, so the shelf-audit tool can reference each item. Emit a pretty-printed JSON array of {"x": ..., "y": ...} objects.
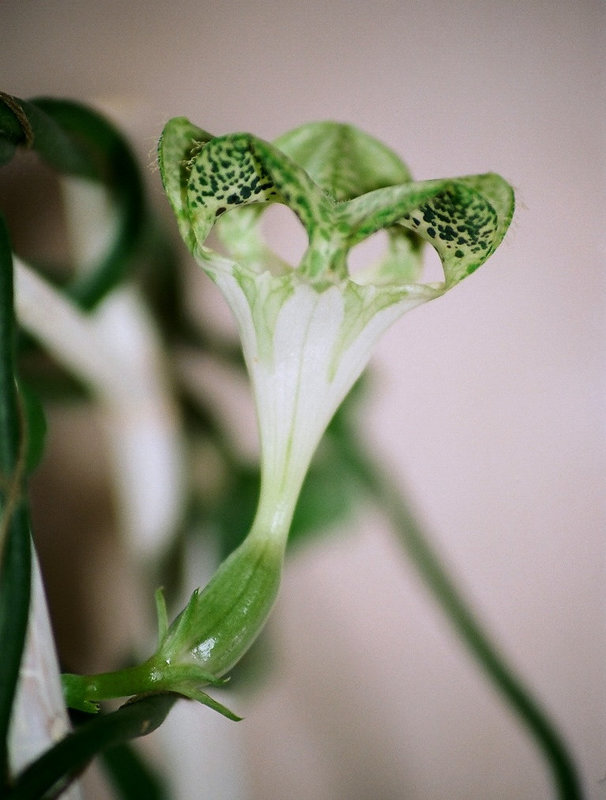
[{"x": 487, "y": 404}]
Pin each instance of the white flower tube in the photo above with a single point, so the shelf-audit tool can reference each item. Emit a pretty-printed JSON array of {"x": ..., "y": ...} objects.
[{"x": 301, "y": 363}]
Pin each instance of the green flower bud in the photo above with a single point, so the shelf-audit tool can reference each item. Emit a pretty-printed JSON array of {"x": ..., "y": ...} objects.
[
  {"x": 207, "y": 638},
  {"x": 221, "y": 621}
]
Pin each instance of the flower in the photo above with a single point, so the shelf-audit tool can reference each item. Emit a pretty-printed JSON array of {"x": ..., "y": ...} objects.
[{"x": 308, "y": 332}]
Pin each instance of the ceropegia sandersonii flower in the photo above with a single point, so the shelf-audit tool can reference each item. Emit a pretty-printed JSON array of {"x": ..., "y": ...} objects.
[{"x": 307, "y": 330}]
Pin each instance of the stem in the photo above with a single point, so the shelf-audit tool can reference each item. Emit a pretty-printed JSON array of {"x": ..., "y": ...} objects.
[
  {"x": 15, "y": 544},
  {"x": 207, "y": 638},
  {"x": 55, "y": 768},
  {"x": 141, "y": 421},
  {"x": 471, "y": 631},
  {"x": 85, "y": 691}
]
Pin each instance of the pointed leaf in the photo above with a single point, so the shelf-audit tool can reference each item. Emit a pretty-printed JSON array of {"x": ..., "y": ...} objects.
[
  {"x": 161, "y": 614},
  {"x": 75, "y": 140},
  {"x": 194, "y": 693},
  {"x": 27, "y": 124},
  {"x": 131, "y": 774},
  {"x": 35, "y": 427}
]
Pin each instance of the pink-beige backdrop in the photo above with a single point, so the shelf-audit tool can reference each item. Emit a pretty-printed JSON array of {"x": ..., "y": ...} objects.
[{"x": 487, "y": 405}]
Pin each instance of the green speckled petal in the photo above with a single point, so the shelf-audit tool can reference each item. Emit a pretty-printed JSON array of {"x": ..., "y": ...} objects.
[
  {"x": 226, "y": 174},
  {"x": 239, "y": 169},
  {"x": 499, "y": 194},
  {"x": 464, "y": 219},
  {"x": 461, "y": 224},
  {"x": 343, "y": 160},
  {"x": 297, "y": 189},
  {"x": 179, "y": 142},
  {"x": 344, "y": 186}
]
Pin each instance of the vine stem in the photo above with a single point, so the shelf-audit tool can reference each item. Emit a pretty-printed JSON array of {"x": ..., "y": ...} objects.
[
  {"x": 52, "y": 772},
  {"x": 15, "y": 544},
  {"x": 114, "y": 350},
  {"x": 470, "y": 629}
]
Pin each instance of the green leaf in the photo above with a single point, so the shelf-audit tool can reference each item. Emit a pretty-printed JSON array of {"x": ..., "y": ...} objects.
[
  {"x": 232, "y": 518},
  {"x": 10, "y": 424},
  {"x": 328, "y": 496},
  {"x": 161, "y": 613},
  {"x": 75, "y": 140},
  {"x": 193, "y": 692},
  {"x": 15, "y": 544},
  {"x": 14, "y": 128},
  {"x": 35, "y": 427},
  {"x": 132, "y": 777},
  {"x": 110, "y": 161},
  {"x": 46, "y": 777},
  {"x": 23, "y": 123}
]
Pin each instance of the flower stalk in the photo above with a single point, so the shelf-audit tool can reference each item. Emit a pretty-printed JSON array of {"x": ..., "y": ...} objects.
[{"x": 307, "y": 332}]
